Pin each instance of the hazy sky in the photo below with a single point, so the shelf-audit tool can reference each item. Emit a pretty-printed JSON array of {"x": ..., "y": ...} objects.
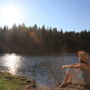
[{"x": 65, "y": 14}]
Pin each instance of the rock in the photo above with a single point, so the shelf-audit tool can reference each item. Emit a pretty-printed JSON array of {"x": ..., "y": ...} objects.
[{"x": 28, "y": 80}]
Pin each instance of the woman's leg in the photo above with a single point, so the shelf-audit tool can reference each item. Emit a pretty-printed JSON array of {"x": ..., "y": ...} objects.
[{"x": 67, "y": 79}]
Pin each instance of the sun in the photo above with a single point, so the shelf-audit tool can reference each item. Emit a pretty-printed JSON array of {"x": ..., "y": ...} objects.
[{"x": 11, "y": 15}]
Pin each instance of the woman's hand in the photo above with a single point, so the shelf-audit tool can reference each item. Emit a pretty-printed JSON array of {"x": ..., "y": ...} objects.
[{"x": 65, "y": 66}]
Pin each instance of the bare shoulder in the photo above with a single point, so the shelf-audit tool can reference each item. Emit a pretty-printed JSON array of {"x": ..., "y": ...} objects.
[{"x": 86, "y": 66}]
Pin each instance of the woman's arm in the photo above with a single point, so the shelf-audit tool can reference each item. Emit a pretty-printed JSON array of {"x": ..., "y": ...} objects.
[{"x": 71, "y": 66}]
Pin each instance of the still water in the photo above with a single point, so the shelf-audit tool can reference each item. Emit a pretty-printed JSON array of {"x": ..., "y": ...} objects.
[{"x": 44, "y": 69}]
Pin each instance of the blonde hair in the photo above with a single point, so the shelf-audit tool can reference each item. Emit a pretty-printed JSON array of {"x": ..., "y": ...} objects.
[{"x": 83, "y": 56}]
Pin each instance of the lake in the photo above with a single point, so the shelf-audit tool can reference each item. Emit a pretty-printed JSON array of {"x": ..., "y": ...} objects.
[{"x": 44, "y": 69}]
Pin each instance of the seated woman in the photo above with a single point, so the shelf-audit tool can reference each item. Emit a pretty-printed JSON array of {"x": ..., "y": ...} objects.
[{"x": 78, "y": 74}]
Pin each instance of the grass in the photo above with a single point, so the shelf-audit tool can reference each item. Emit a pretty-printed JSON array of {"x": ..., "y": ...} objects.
[{"x": 12, "y": 82}]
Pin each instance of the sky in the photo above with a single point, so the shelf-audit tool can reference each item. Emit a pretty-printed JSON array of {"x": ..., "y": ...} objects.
[{"x": 69, "y": 15}]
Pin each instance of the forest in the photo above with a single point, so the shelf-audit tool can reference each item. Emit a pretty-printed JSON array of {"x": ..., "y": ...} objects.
[{"x": 36, "y": 40}]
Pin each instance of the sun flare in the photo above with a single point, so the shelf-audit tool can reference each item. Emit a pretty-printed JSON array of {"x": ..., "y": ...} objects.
[{"x": 11, "y": 15}]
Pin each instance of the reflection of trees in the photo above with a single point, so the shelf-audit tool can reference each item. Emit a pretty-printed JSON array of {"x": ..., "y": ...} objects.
[{"x": 39, "y": 40}]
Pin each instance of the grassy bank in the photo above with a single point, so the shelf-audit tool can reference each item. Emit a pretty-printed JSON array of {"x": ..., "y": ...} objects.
[{"x": 13, "y": 82}]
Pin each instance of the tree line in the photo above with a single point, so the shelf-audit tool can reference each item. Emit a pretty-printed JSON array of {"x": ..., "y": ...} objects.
[{"x": 36, "y": 40}]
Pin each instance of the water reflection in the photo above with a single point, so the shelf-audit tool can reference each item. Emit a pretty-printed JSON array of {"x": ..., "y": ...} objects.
[{"x": 11, "y": 61}]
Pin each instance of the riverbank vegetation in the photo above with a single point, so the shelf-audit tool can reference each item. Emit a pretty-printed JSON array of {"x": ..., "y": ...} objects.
[
  {"x": 13, "y": 82},
  {"x": 36, "y": 40}
]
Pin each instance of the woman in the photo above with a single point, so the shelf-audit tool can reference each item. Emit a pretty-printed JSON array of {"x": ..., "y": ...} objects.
[{"x": 78, "y": 74}]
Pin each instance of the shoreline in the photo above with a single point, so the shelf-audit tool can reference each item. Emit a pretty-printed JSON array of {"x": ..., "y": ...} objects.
[{"x": 17, "y": 82}]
